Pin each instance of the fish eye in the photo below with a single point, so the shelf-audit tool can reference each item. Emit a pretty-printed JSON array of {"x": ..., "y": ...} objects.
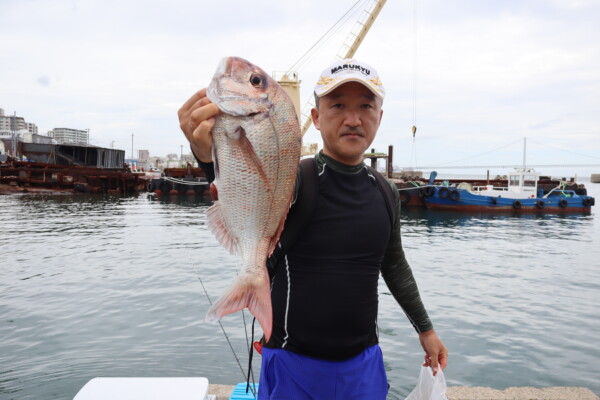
[{"x": 255, "y": 80}]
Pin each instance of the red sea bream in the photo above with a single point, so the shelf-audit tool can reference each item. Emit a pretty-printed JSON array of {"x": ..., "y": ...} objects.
[{"x": 256, "y": 150}]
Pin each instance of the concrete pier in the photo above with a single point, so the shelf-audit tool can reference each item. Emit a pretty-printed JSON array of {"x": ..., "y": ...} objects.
[
  {"x": 478, "y": 393},
  {"x": 520, "y": 393}
]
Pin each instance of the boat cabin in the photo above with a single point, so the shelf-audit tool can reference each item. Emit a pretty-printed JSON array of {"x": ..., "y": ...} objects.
[{"x": 522, "y": 184}]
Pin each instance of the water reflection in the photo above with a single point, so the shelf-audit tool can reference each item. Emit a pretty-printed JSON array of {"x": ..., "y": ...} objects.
[
  {"x": 426, "y": 216},
  {"x": 537, "y": 225},
  {"x": 182, "y": 200}
]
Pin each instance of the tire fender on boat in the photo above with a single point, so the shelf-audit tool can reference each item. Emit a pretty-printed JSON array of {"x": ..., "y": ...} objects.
[
  {"x": 429, "y": 191},
  {"x": 454, "y": 195},
  {"x": 563, "y": 203},
  {"x": 587, "y": 202},
  {"x": 443, "y": 192},
  {"x": 404, "y": 197},
  {"x": 540, "y": 204},
  {"x": 165, "y": 186},
  {"x": 516, "y": 204}
]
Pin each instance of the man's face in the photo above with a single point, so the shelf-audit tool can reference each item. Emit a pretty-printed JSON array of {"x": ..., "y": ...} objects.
[{"x": 348, "y": 119}]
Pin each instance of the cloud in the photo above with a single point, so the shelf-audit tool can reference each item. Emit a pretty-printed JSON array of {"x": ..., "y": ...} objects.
[
  {"x": 43, "y": 80},
  {"x": 488, "y": 73}
]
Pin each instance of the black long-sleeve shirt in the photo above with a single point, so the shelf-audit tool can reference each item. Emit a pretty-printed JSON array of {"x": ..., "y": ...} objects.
[{"x": 324, "y": 293}]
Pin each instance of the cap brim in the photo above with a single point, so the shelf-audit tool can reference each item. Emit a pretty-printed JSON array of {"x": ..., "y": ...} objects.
[{"x": 326, "y": 89}]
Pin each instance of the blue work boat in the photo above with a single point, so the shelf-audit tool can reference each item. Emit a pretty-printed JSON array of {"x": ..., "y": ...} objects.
[{"x": 520, "y": 194}]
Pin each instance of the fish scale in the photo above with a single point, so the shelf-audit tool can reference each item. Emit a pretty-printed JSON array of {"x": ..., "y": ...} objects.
[{"x": 256, "y": 150}]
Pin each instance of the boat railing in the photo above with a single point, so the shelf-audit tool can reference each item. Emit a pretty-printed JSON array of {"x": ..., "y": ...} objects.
[{"x": 558, "y": 191}]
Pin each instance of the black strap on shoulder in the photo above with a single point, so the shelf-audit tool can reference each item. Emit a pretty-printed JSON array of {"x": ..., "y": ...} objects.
[
  {"x": 300, "y": 213},
  {"x": 302, "y": 210},
  {"x": 386, "y": 191}
]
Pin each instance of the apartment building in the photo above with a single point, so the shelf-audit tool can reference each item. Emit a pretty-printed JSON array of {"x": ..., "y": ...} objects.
[
  {"x": 10, "y": 123},
  {"x": 70, "y": 136}
]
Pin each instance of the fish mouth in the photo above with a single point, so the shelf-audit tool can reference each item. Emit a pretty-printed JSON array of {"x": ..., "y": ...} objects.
[
  {"x": 228, "y": 67},
  {"x": 224, "y": 67},
  {"x": 214, "y": 91},
  {"x": 232, "y": 103}
]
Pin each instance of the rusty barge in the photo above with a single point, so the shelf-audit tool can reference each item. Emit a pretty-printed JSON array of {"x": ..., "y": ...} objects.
[{"x": 70, "y": 168}]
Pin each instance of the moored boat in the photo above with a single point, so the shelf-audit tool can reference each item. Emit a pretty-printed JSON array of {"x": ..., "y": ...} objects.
[
  {"x": 178, "y": 181},
  {"x": 521, "y": 194}
]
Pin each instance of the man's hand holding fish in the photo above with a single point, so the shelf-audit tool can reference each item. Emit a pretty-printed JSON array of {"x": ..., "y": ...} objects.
[{"x": 196, "y": 120}]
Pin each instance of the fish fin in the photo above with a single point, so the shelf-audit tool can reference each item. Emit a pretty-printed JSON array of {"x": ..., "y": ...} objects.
[
  {"x": 214, "y": 193},
  {"x": 277, "y": 236},
  {"x": 279, "y": 231},
  {"x": 216, "y": 224},
  {"x": 248, "y": 148},
  {"x": 255, "y": 294}
]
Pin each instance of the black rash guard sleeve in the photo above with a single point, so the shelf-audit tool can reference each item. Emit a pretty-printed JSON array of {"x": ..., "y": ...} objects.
[
  {"x": 399, "y": 277},
  {"x": 208, "y": 168}
]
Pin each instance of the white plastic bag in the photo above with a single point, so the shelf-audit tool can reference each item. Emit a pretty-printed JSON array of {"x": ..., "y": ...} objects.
[{"x": 429, "y": 387}]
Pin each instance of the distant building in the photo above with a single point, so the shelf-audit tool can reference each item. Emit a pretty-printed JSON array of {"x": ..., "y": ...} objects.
[
  {"x": 73, "y": 154},
  {"x": 35, "y": 138},
  {"x": 12, "y": 123},
  {"x": 32, "y": 128},
  {"x": 156, "y": 162},
  {"x": 70, "y": 136},
  {"x": 189, "y": 158},
  {"x": 11, "y": 126},
  {"x": 143, "y": 155}
]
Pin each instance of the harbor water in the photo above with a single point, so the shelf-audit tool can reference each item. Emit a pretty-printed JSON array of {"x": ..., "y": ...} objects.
[{"x": 112, "y": 286}]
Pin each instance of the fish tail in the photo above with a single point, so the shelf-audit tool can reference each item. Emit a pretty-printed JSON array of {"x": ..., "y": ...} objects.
[{"x": 254, "y": 294}]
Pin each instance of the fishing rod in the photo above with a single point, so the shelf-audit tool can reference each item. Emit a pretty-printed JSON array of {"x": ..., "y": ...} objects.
[{"x": 237, "y": 359}]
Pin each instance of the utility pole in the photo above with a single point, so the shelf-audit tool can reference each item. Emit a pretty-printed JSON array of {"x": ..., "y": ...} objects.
[
  {"x": 132, "y": 156},
  {"x": 14, "y": 134},
  {"x": 524, "y": 153},
  {"x": 181, "y": 153}
]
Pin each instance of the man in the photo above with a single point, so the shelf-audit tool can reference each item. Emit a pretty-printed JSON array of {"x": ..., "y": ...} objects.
[{"x": 324, "y": 343}]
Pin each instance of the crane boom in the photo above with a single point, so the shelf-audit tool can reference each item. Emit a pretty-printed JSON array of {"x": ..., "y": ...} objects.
[
  {"x": 353, "y": 41},
  {"x": 364, "y": 28}
]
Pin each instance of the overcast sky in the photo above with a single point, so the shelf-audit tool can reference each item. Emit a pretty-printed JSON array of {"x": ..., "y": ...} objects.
[{"x": 489, "y": 73}]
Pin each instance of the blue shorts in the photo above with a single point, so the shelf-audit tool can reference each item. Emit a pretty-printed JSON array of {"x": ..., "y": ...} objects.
[{"x": 286, "y": 375}]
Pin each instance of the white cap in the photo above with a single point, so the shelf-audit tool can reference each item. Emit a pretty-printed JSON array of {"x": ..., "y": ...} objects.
[{"x": 349, "y": 70}]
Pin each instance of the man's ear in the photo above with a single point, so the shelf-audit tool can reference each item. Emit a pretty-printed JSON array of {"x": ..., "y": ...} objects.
[{"x": 314, "y": 113}]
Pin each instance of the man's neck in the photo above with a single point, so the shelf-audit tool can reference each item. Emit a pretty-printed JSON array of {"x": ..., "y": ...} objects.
[{"x": 338, "y": 165}]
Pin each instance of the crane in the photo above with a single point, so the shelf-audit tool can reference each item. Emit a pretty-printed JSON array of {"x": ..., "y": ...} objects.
[{"x": 291, "y": 84}]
